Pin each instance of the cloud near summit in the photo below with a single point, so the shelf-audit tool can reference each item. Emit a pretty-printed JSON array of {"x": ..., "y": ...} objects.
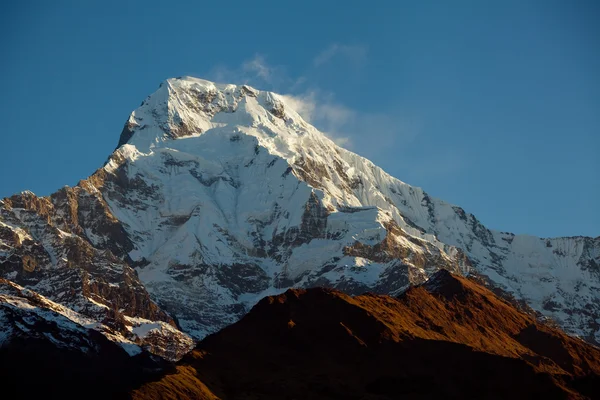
[
  {"x": 346, "y": 126},
  {"x": 328, "y": 116},
  {"x": 355, "y": 53}
]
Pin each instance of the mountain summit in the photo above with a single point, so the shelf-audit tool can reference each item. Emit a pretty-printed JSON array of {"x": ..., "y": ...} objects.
[{"x": 218, "y": 195}]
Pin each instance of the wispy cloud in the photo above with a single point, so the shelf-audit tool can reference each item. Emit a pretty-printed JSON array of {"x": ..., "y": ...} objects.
[
  {"x": 366, "y": 132},
  {"x": 320, "y": 110},
  {"x": 256, "y": 71},
  {"x": 258, "y": 65},
  {"x": 316, "y": 106},
  {"x": 369, "y": 133},
  {"x": 355, "y": 53}
]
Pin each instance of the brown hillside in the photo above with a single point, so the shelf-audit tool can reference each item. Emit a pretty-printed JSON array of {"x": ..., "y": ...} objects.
[{"x": 448, "y": 338}]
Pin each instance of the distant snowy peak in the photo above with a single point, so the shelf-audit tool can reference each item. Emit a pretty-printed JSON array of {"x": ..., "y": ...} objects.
[
  {"x": 188, "y": 108},
  {"x": 295, "y": 209},
  {"x": 219, "y": 195},
  {"x": 183, "y": 107}
]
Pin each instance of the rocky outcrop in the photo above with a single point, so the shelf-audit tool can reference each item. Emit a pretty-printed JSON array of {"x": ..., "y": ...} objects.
[
  {"x": 50, "y": 351},
  {"x": 62, "y": 247}
]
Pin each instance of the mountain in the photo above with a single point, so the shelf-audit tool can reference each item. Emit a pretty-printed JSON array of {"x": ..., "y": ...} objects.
[
  {"x": 218, "y": 195},
  {"x": 45, "y": 247},
  {"x": 448, "y": 338},
  {"x": 49, "y": 351}
]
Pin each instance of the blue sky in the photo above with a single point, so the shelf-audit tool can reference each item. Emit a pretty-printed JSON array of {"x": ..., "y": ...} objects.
[{"x": 494, "y": 106}]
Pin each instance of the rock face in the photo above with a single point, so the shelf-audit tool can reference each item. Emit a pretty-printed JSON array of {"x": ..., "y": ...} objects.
[
  {"x": 66, "y": 248},
  {"x": 50, "y": 351},
  {"x": 218, "y": 195},
  {"x": 447, "y": 338}
]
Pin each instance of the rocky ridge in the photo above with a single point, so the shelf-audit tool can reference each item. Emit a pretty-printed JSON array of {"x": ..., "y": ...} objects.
[
  {"x": 447, "y": 338},
  {"x": 62, "y": 248},
  {"x": 50, "y": 351}
]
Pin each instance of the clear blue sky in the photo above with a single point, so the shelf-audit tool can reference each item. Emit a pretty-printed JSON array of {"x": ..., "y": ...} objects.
[{"x": 491, "y": 105}]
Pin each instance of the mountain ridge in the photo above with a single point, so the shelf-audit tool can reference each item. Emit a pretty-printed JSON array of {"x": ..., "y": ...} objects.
[
  {"x": 449, "y": 338},
  {"x": 218, "y": 195}
]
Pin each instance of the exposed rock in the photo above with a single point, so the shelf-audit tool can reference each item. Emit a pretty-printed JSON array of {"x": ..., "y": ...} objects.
[{"x": 61, "y": 247}]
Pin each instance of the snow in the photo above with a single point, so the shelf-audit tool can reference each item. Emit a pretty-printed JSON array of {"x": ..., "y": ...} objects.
[
  {"x": 21, "y": 233},
  {"x": 74, "y": 325},
  {"x": 143, "y": 330},
  {"x": 218, "y": 157},
  {"x": 91, "y": 300}
]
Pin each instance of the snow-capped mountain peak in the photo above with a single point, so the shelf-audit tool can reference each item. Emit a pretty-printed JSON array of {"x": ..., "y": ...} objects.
[
  {"x": 220, "y": 194},
  {"x": 187, "y": 107}
]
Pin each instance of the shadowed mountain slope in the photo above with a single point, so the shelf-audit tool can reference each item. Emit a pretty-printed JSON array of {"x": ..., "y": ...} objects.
[
  {"x": 50, "y": 351},
  {"x": 447, "y": 338}
]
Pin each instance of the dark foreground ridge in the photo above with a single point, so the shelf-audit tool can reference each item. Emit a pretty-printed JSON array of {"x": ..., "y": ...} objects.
[
  {"x": 44, "y": 354},
  {"x": 448, "y": 338}
]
